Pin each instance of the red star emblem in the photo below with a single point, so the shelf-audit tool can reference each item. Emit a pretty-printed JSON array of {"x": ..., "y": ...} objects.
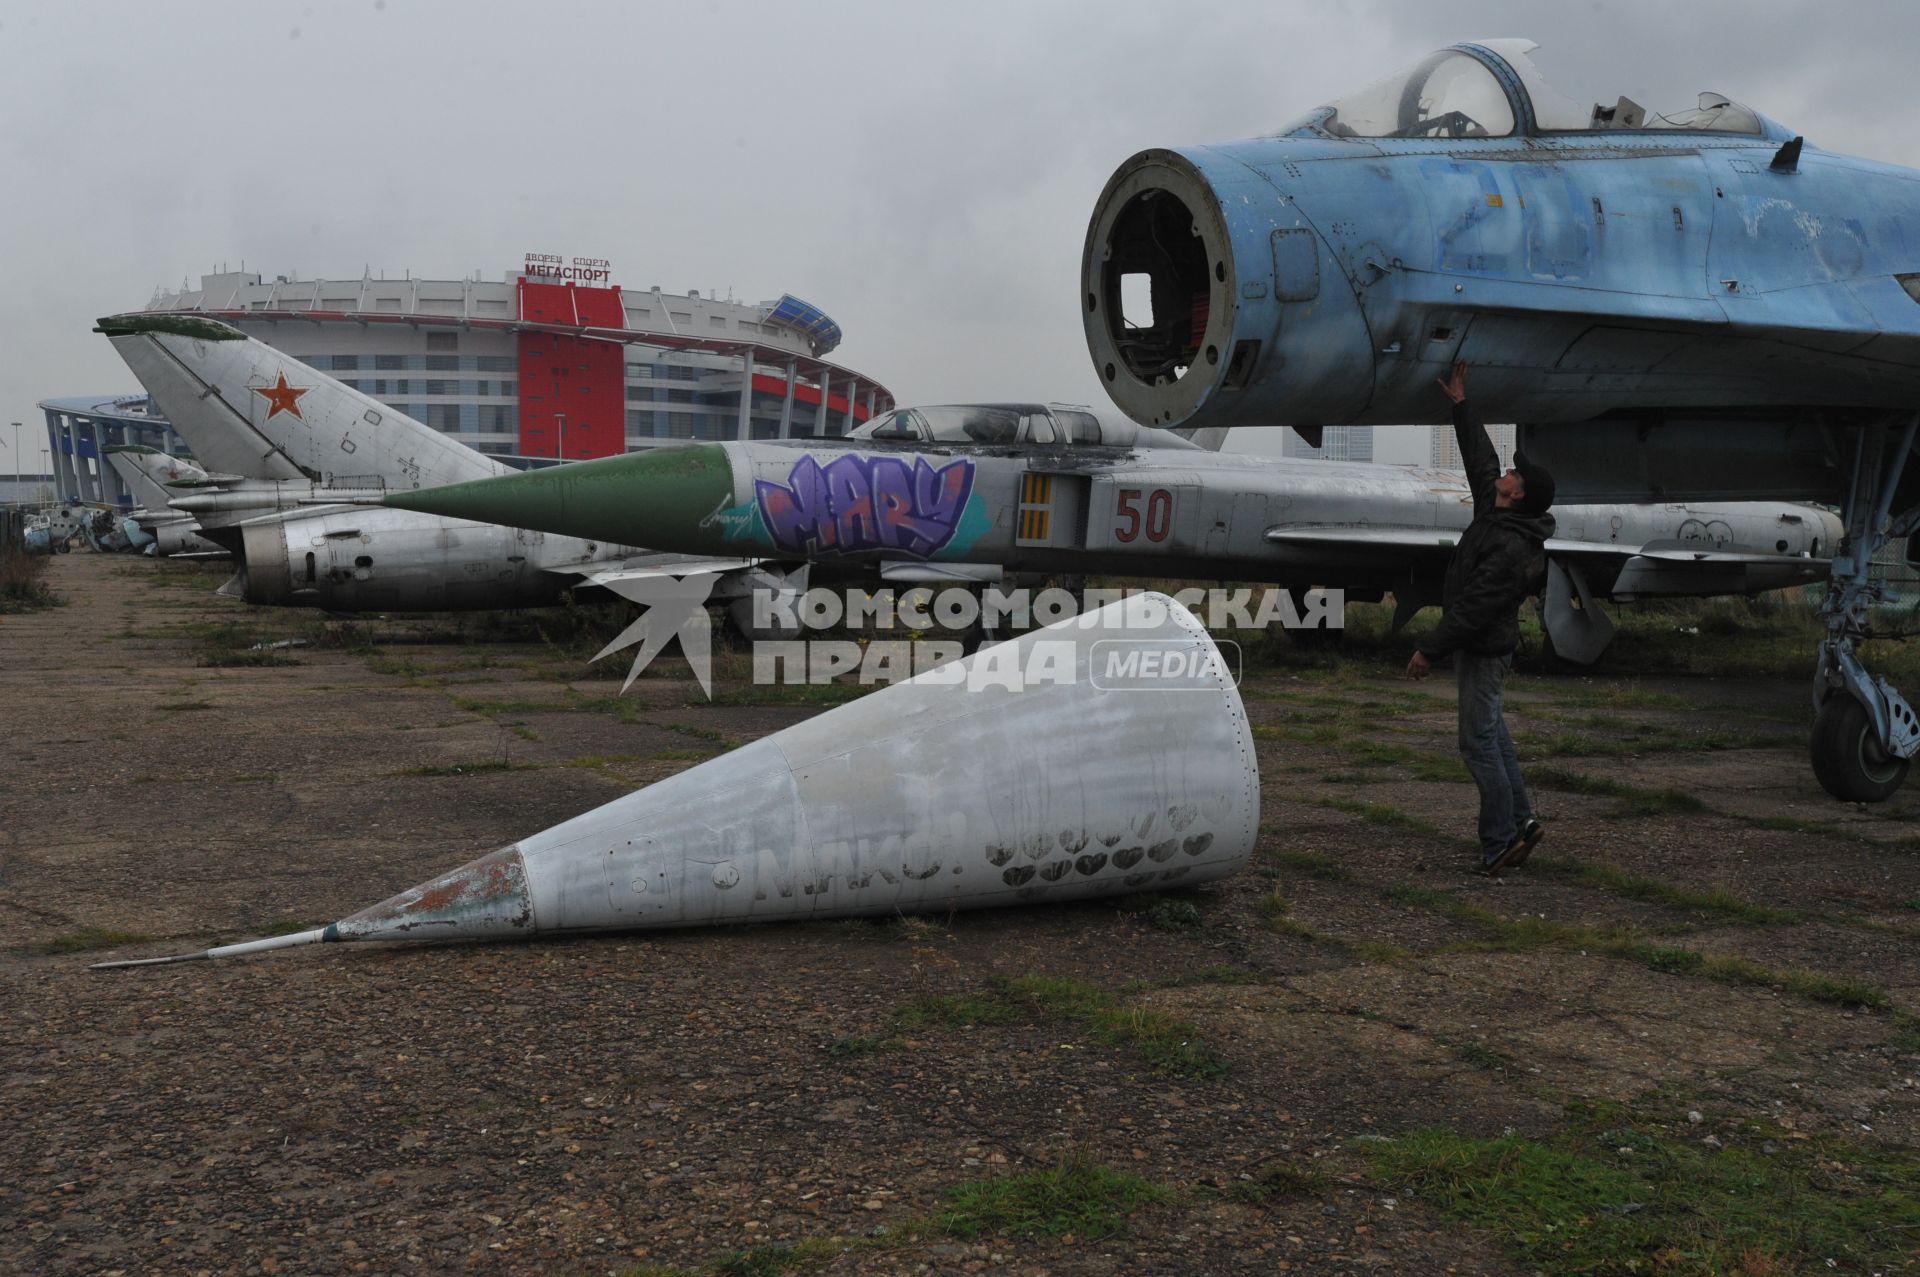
[{"x": 283, "y": 398}]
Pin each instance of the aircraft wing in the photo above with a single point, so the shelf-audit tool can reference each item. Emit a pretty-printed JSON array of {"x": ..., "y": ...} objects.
[
  {"x": 917, "y": 573},
  {"x": 1337, "y": 536},
  {"x": 647, "y": 566},
  {"x": 1674, "y": 569},
  {"x": 1680, "y": 552}
]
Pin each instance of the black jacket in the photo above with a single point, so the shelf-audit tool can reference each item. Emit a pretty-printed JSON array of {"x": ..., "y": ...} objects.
[{"x": 1500, "y": 560}]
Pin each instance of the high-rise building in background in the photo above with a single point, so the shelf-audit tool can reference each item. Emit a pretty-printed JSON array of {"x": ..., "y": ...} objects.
[
  {"x": 1446, "y": 453},
  {"x": 1337, "y": 443}
]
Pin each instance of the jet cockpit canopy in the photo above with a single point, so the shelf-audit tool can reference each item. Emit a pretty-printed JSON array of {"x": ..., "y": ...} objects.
[
  {"x": 1009, "y": 425},
  {"x": 1492, "y": 88}
]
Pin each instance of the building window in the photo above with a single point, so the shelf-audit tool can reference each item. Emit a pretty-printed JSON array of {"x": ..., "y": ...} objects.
[
  {"x": 379, "y": 385},
  {"x": 442, "y": 387},
  {"x": 496, "y": 417},
  {"x": 442, "y": 341},
  {"x": 442, "y": 363},
  {"x": 640, "y": 394},
  {"x": 509, "y": 387},
  {"x": 641, "y": 372},
  {"x": 402, "y": 387},
  {"x": 346, "y": 363},
  {"x": 389, "y": 362},
  {"x": 444, "y": 417},
  {"x": 680, "y": 425},
  {"x": 679, "y": 396},
  {"x": 494, "y": 363}
]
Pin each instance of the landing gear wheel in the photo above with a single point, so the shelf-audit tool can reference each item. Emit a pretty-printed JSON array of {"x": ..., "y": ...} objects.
[{"x": 1847, "y": 756}]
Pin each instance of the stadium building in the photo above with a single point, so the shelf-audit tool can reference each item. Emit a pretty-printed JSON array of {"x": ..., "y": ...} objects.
[{"x": 556, "y": 361}]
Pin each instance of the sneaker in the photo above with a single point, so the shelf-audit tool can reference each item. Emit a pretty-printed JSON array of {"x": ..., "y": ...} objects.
[
  {"x": 1492, "y": 862},
  {"x": 1530, "y": 835}
]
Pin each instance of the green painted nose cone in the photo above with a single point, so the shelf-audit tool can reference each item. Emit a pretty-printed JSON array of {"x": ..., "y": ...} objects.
[{"x": 654, "y": 499}]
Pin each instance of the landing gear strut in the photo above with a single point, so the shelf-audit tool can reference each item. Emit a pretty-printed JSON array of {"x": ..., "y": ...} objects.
[{"x": 1864, "y": 734}]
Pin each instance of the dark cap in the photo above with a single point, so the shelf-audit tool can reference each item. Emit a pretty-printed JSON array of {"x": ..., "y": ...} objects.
[{"x": 1538, "y": 482}]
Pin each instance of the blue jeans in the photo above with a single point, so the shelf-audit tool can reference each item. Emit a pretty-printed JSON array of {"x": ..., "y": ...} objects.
[{"x": 1487, "y": 750}]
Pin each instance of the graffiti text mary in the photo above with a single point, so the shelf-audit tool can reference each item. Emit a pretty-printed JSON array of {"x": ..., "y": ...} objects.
[{"x": 856, "y": 503}]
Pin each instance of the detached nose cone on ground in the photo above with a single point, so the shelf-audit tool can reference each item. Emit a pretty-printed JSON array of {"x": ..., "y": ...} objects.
[{"x": 1124, "y": 762}]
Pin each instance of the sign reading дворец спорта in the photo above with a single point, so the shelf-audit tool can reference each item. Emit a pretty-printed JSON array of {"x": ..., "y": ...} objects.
[{"x": 586, "y": 270}]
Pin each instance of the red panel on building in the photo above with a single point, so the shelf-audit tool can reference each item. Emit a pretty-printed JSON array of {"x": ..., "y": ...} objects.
[
  {"x": 572, "y": 305},
  {"x": 810, "y": 395},
  {"x": 600, "y": 307},
  {"x": 572, "y": 397}
]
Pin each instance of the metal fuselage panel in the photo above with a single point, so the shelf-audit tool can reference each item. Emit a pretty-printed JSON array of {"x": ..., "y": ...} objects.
[
  {"x": 1082, "y": 510},
  {"x": 1192, "y": 514},
  {"x": 370, "y": 559},
  {"x": 1579, "y": 275},
  {"x": 924, "y": 797}
]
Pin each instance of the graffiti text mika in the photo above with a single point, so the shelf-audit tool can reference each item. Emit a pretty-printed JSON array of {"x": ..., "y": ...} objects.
[{"x": 856, "y": 503}]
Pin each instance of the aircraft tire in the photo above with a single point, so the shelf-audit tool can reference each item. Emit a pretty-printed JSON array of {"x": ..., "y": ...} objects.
[{"x": 1847, "y": 758}]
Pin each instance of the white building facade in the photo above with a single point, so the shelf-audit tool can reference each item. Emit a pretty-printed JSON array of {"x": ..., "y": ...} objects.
[{"x": 554, "y": 360}]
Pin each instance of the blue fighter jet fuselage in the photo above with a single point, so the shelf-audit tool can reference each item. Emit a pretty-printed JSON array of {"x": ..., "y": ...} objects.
[
  {"x": 1694, "y": 306},
  {"x": 1586, "y": 263}
]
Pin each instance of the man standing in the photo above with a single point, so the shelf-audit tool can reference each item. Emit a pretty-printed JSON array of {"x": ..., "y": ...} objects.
[{"x": 1500, "y": 560}]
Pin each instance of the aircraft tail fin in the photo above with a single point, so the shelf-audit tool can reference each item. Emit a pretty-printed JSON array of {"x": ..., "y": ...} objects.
[
  {"x": 147, "y": 472},
  {"x": 266, "y": 415}
]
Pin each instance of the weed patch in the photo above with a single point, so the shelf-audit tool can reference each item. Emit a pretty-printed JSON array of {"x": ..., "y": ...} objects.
[
  {"x": 855, "y": 1045},
  {"x": 946, "y": 1010},
  {"x": 1310, "y": 864},
  {"x": 1278, "y": 1181},
  {"x": 466, "y": 769},
  {"x": 1524, "y": 934},
  {"x": 1613, "y": 1192},
  {"x": 1384, "y": 815},
  {"x": 1717, "y": 905},
  {"x": 88, "y": 938},
  {"x": 21, "y": 586},
  {"x": 1171, "y": 1046},
  {"x": 1175, "y": 915},
  {"x": 1077, "y": 1195}
]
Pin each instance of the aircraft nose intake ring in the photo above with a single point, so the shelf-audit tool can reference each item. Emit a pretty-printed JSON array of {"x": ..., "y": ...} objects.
[{"x": 1864, "y": 733}]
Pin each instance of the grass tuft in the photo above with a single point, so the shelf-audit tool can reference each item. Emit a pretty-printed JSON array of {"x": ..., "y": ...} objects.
[
  {"x": 1076, "y": 1195},
  {"x": 465, "y": 769},
  {"x": 1172, "y": 1047},
  {"x": 1280, "y": 1180},
  {"x": 1616, "y": 1193},
  {"x": 88, "y": 938},
  {"x": 1716, "y": 904},
  {"x": 1175, "y": 915}
]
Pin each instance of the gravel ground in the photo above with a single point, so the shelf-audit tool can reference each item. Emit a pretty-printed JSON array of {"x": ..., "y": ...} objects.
[{"x": 590, "y": 1105}]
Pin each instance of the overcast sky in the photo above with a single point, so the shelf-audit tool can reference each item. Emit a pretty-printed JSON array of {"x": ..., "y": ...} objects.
[{"x": 922, "y": 172}]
